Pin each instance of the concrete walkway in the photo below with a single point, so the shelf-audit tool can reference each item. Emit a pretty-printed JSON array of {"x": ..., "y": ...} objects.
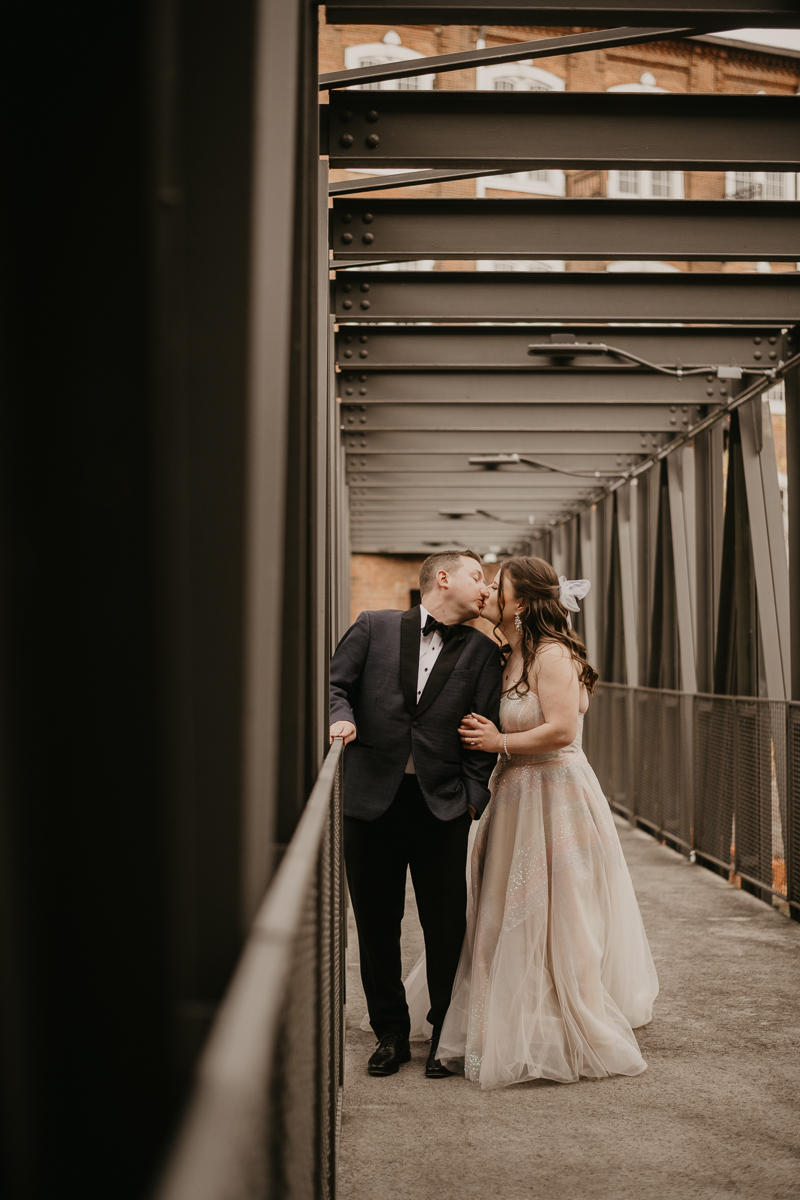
[{"x": 715, "y": 1115}]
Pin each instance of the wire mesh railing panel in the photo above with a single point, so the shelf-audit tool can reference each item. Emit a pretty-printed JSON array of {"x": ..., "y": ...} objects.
[
  {"x": 672, "y": 757},
  {"x": 792, "y": 826},
  {"x": 761, "y": 792},
  {"x": 620, "y": 783},
  {"x": 714, "y": 770},
  {"x": 648, "y": 739}
]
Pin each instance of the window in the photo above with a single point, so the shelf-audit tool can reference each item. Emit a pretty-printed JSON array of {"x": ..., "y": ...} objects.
[
  {"x": 390, "y": 50},
  {"x": 521, "y": 77},
  {"x": 647, "y": 268},
  {"x": 517, "y": 77},
  {"x": 759, "y": 185},
  {"x": 646, "y": 185},
  {"x": 523, "y": 264},
  {"x": 420, "y": 264}
]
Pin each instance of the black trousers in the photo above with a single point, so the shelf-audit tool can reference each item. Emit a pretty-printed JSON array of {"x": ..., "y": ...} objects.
[{"x": 377, "y": 855}]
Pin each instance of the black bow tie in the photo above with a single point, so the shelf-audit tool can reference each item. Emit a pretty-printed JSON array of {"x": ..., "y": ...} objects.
[{"x": 431, "y": 625}]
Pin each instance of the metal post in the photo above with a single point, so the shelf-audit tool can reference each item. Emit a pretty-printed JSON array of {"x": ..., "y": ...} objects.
[
  {"x": 626, "y": 522},
  {"x": 792, "y": 386},
  {"x": 768, "y": 546},
  {"x": 680, "y": 498}
]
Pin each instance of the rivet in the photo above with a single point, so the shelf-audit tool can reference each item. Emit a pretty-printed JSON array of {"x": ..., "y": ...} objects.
[
  {"x": 772, "y": 341},
  {"x": 363, "y": 353},
  {"x": 756, "y": 354},
  {"x": 368, "y": 238},
  {"x": 347, "y": 238},
  {"x": 709, "y": 391},
  {"x": 348, "y": 391},
  {"x": 347, "y": 287},
  {"x": 372, "y": 115},
  {"x": 365, "y": 304},
  {"x": 346, "y": 218},
  {"x": 347, "y": 304},
  {"x": 346, "y": 140},
  {"x": 363, "y": 420},
  {"x": 684, "y": 408},
  {"x": 364, "y": 338},
  {"x": 723, "y": 391},
  {"x": 351, "y": 420},
  {"x": 348, "y": 338},
  {"x": 757, "y": 341},
  {"x": 362, "y": 408},
  {"x": 348, "y": 353},
  {"x": 363, "y": 378},
  {"x": 773, "y": 354},
  {"x": 673, "y": 408},
  {"x": 362, "y": 391},
  {"x": 673, "y": 420},
  {"x": 365, "y": 287},
  {"x": 346, "y": 115},
  {"x": 367, "y": 218},
  {"x": 372, "y": 140},
  {"x": 709, "y": 378}
]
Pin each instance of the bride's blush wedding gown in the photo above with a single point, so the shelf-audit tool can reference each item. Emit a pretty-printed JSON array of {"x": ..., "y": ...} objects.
[{"x": 556, "y": 970}]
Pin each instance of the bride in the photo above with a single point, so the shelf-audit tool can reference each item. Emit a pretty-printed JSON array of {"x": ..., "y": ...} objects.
[{"x": 555, "y": 971}]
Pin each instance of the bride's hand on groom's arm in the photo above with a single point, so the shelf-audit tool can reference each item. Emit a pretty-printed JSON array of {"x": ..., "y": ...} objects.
[
  {"x": 345, "y": 730},
  {"x": 478, "y": 733}
]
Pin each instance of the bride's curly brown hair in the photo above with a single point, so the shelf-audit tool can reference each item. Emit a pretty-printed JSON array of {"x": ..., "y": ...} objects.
[{"x": 544, "y": 617}]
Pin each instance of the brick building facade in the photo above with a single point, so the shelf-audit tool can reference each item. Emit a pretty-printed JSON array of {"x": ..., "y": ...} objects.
[{"x": 704, "y": 64}]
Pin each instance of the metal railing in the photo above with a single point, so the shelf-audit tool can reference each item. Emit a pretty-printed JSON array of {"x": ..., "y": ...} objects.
[
  {"x": 264, "y": 1118},
  {"x": 717, "y": 775}
]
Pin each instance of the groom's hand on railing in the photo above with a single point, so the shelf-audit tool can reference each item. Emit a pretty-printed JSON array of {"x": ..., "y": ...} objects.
[{"x": 345, "y": 730}]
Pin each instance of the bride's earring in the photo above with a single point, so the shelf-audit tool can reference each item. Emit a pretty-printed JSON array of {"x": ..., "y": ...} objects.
[{"x": 518, "y": 622}]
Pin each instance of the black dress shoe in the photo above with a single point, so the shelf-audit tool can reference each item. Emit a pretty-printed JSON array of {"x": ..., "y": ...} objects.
[
  {"x": 433, "y": 1068},
  {"x": 393, "y": 1050}
]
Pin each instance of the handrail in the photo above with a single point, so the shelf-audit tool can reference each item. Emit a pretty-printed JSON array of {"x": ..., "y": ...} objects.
[{"x": 222, "y": 1137}]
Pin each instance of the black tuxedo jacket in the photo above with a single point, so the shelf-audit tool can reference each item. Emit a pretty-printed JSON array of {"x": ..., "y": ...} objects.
[{"x": 374, "y": 685}]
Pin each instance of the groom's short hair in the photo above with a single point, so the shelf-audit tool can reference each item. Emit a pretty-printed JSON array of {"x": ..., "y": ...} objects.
[{"x": 447, "y": 560}]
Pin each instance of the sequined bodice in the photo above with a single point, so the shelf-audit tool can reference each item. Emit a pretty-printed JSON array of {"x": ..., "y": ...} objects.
[{"x": 518, "y": 713}]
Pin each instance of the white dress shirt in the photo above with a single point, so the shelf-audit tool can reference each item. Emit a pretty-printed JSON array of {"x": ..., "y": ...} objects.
[{"x": 429, "y": 648}]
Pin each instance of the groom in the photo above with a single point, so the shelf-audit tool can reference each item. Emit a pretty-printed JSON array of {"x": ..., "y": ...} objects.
[{"x": 400, "y": 684}]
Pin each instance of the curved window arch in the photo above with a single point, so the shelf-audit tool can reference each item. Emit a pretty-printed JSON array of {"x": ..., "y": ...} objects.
[
  {"x": 644, "y": 185},
  {"x": 390, "y": 50},
  {"x": 521, "y": 77}
]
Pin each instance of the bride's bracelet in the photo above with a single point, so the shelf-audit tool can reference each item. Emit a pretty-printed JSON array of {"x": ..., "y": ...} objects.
[{"x": 505, "y": 746}]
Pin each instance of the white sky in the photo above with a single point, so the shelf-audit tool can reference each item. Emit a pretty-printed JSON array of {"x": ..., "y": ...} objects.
[{"x": 788, "y": 39}]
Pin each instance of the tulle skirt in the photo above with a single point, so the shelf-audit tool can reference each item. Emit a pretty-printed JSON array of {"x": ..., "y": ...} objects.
[{"x": 556, "y": 970}]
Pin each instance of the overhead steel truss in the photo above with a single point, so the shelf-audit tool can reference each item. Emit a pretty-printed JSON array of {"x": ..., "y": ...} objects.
[
  {"x": 572, "y": 296},
  {"x": 522, "y": 131},
  {"x": 686, "y": 230}
]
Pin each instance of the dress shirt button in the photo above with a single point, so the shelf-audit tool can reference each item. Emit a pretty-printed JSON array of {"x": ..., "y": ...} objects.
[{"x": 415, "y": 724}]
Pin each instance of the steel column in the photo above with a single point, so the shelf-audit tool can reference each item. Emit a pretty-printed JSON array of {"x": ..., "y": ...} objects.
[
  {"x": 626, "y": 532},
  {"x": 768, "y": 546},
  {"x": 792, "y": 391},
  {"x": 681, "y": 496},
  {"x": 709, "y": 483}
]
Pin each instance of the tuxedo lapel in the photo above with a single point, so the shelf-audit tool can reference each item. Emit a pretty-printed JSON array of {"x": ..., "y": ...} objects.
[
  {"x": 410, "y": 631},
  {"x": 448, "y": 657}
]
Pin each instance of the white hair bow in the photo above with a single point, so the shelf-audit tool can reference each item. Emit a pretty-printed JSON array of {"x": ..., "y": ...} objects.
[{"x": 570, "y": 591}]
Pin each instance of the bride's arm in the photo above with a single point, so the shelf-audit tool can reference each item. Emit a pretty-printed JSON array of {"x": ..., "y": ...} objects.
[{"x": 558, "y": 690}]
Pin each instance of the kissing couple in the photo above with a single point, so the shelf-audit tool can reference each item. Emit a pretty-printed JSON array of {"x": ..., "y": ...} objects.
[{"x": 543, "y": 970}]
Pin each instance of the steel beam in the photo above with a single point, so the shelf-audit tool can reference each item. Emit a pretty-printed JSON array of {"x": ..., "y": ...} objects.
[
  {"x": 528, "y": 131},
  {"x": 682, "y": 230},
  {"x": 362, "y": 465},
  {"x": 705, "y": 14},
  {"x": 580, "y": 296},
  {"x": 792, "y": 386},
  {"x": 680, "y": 487},
  {"x": 600, "y": 39},
  {"x": 646, "y": 419},
  {"x": 550, "y": 348},
  {"x": 429, "y": 442},
  {"x": 527, "y": 387}
]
